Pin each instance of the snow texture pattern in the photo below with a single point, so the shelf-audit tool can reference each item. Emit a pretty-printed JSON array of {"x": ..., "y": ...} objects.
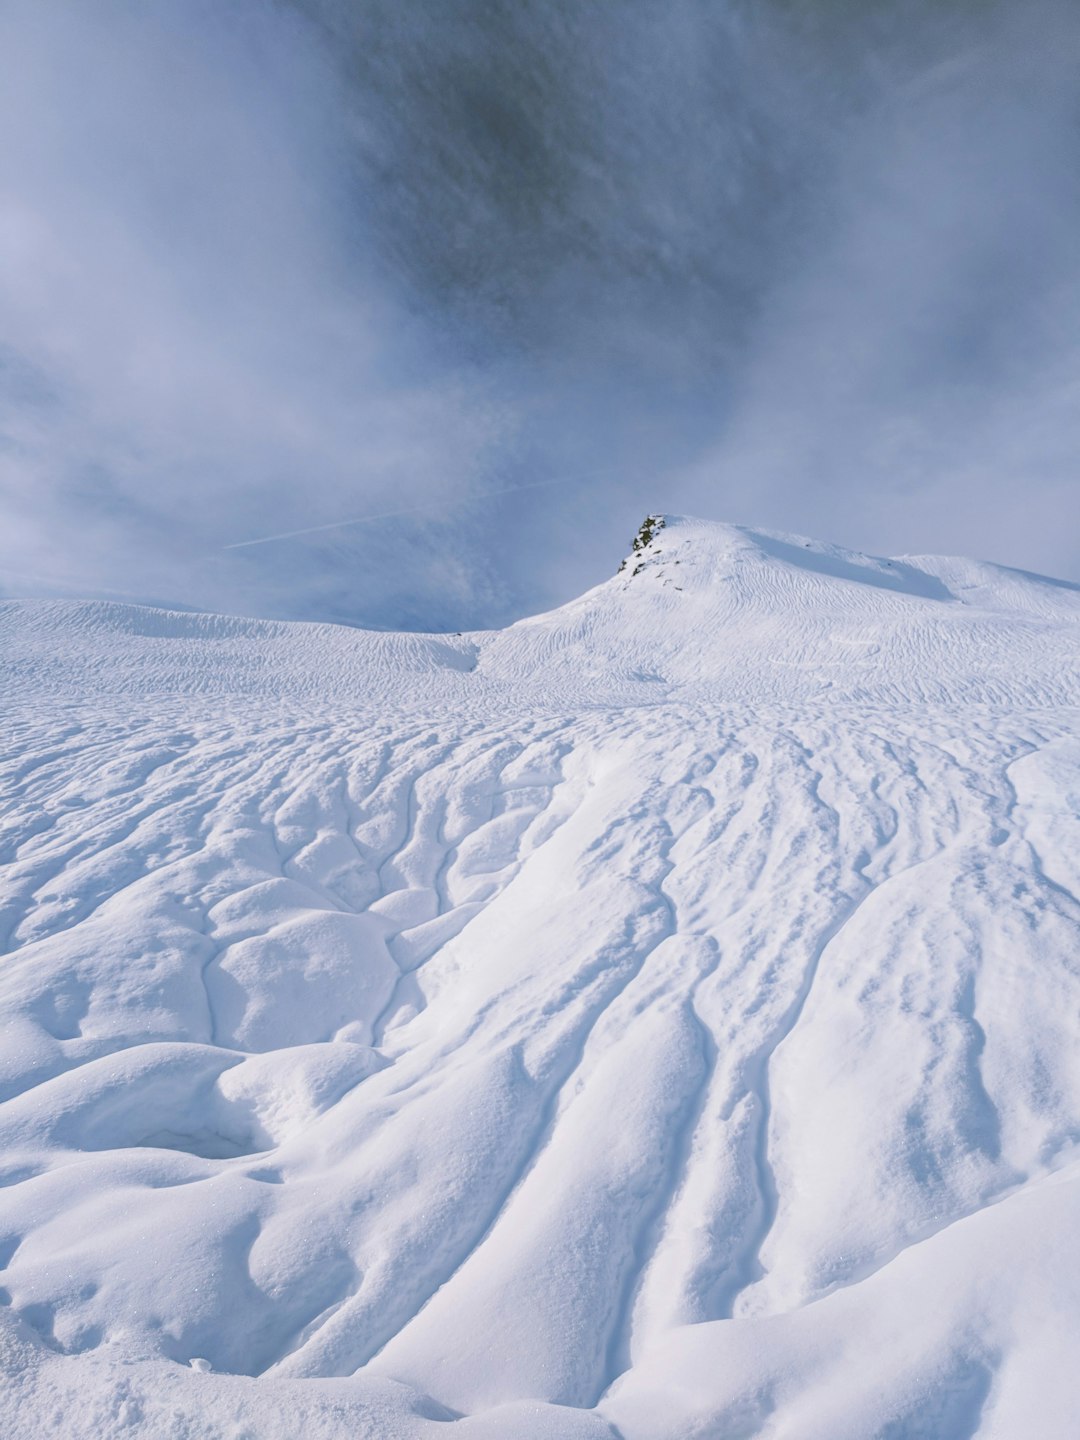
[{"x": 657, "y": 1019}]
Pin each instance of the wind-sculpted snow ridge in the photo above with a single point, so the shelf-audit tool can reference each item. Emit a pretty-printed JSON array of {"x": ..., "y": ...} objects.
[{"x": 657, "y": 1019}]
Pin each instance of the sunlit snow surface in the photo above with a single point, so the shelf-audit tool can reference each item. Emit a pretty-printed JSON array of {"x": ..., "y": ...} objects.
[{"x": 658, "y": 1019}]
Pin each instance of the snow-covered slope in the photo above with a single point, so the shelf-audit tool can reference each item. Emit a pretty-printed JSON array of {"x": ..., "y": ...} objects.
[{"x": 656, "y": 1019}]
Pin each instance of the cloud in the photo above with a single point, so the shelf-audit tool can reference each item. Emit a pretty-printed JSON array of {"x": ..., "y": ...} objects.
[
  {"x": 270, "y": 266},
  {"x": 190, "y": 343},
  {"x": 913, "y": 383}
]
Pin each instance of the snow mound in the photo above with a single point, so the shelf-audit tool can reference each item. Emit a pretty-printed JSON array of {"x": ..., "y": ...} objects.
[{"x": 655, "y": 1019}]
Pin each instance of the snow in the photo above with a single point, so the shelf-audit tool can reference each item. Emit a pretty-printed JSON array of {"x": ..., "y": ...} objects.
[{"x": 656, "y": 1019}]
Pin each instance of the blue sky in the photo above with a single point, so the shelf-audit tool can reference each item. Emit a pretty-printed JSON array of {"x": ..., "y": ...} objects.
[{"x": 509, "y": 275}]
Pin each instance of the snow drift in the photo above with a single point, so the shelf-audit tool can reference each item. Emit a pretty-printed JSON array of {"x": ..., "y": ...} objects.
[{"x": 655, "y": 1019}]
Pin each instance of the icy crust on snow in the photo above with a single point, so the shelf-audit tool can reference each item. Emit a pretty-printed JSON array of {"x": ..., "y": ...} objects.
[{"x": 657, "y": 1019}]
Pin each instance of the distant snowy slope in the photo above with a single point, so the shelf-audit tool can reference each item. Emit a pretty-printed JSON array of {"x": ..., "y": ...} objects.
[
  {"x": 656, "y": 1019},
  {"x": 704, "y": 610}
]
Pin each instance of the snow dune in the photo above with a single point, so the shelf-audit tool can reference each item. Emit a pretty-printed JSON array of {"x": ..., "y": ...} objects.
[{"x": 656, "y": 1019}]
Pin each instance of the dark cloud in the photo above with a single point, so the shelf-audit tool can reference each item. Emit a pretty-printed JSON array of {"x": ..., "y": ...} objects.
[{"x": 271, "y": 265}]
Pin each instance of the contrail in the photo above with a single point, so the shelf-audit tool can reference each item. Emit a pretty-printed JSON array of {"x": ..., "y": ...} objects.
[{"x": 409, "y": 510}]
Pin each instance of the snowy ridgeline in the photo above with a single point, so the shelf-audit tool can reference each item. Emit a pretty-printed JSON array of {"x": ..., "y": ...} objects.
[
  {"x": 658, "y": 1019},
  {"x": 702, "y": 612}
]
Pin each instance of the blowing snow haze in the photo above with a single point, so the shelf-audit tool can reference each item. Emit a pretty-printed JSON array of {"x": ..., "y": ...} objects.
[{"x": 513, "y": 273}]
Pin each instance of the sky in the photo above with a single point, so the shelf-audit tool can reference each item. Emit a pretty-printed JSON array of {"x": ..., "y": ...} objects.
[{"x": 460, "y": 289}]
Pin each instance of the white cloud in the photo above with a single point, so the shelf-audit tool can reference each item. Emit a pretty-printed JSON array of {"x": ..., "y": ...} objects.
[
  {"x": 823, "y": 281},
  {"x": 191, "y": 342}
]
